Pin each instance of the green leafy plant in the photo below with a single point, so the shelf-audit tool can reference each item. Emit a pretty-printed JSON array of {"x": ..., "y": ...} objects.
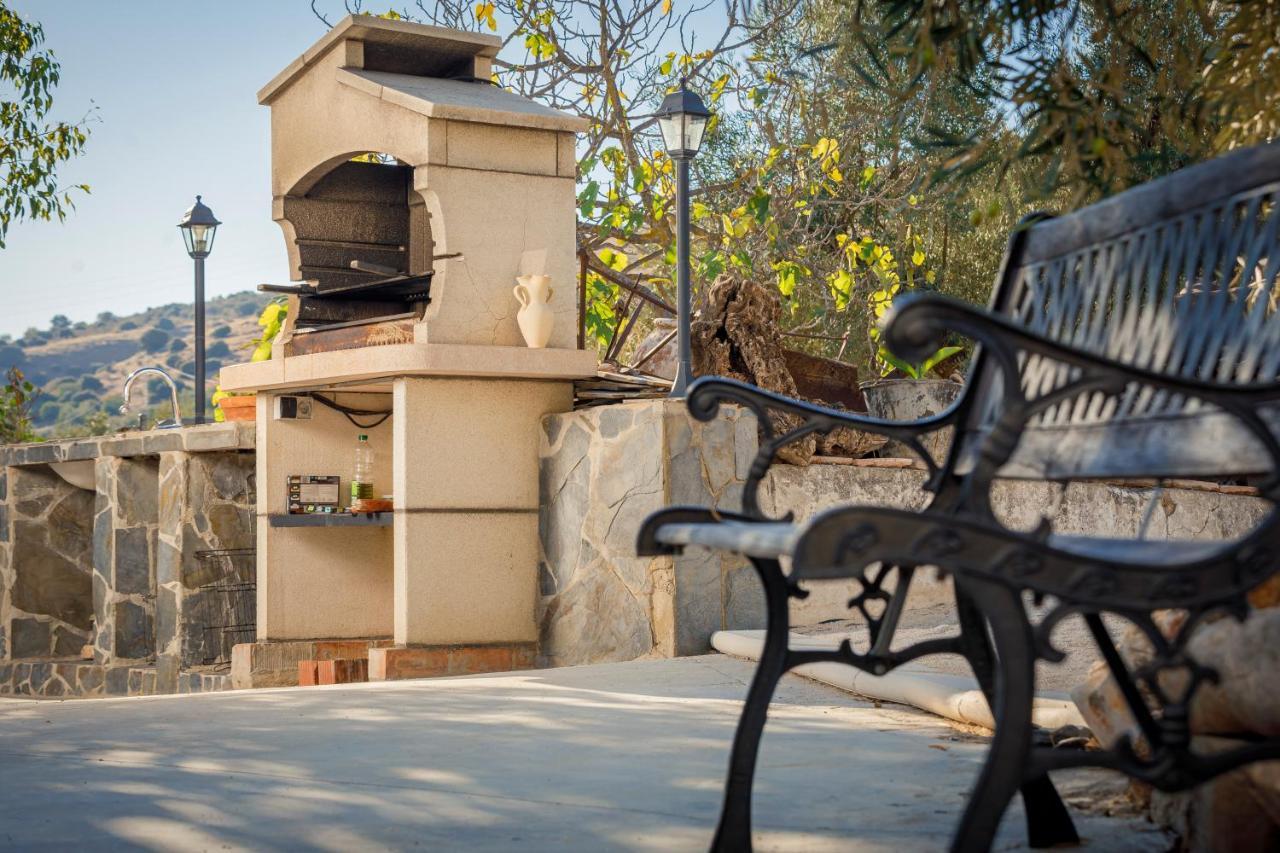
[
  {"x": 921, "y": 370},
  {"x": 17, "y": 401},
  {"x": 31, "y": 147},
  {"x": 879, "y": 304},
  {"x": 1101, "y": 95},
  {"x": 272, "y": 321}
]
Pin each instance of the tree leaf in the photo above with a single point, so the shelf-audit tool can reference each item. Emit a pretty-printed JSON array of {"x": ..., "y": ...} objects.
[{"x": 485, "y": 15}]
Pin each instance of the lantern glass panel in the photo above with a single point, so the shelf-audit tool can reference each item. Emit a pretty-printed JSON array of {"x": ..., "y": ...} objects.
[
  {"x": 694, "y": 128},
  {"x": 202, "y": 238},
  {"x": 682, "y": 133},
  {"x": 199, "y": 238},
  {"x": 672, "y": 127}
]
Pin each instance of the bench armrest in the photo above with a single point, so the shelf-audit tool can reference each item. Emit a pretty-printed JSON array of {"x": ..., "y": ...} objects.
[
  {"x": 916, "y": 325},
  {"x": 706, "y": 395}
]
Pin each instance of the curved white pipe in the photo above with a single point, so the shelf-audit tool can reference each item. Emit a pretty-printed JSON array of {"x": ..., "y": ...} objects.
[{"x": 955, "y": 697}]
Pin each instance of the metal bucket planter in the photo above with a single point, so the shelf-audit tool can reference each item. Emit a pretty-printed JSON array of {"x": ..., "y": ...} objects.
[{"x": 909, "y": 400}]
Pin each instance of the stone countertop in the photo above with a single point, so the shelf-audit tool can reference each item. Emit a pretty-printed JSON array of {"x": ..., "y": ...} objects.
[
  {"x": 379, "y": 364},
  {"x": 192, "y": 439}
]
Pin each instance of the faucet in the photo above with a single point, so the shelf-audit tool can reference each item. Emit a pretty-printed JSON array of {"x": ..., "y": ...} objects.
[{"x": 176, "y": 422}]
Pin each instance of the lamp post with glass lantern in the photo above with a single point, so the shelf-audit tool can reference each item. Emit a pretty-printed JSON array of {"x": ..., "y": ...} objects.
[
  {"x": 682, "y": 118},
  {"x": 198, "y": 227}
]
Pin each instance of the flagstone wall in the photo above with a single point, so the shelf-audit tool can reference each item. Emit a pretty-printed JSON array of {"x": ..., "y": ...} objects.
[
  {"x": 602, "y": 471},
  {"x": 118, "y": 567},
  {"x": 605, "y": 469},
  {"x": 45, "y": 582}
]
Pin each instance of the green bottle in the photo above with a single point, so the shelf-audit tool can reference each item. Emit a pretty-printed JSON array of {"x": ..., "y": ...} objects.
[{"x": 362, "y": 479}]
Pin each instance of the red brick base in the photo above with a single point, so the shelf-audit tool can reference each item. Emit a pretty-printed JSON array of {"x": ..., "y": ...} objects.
[
  {"x": 275, "y": 663},
  {"x": 308, "y": 673},
  {"x": 343, "y": 671},
  {"x": 399, "y": 662}
]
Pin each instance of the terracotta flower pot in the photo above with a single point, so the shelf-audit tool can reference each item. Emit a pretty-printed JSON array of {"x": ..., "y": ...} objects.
[{"x": 242, "y": 408}]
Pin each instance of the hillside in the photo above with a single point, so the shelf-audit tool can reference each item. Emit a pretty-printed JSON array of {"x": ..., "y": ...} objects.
[{"x": 80, "y": 367}]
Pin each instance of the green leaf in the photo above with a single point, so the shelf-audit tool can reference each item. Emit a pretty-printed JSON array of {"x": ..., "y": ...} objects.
[
  {"x": 758, "y": 205},
  {"x": 613, "y": 259},
  {"x": 710, "y": 265},
  {"x": 587, "y": 199},
  {"x": 540, "y": 46},
  {"x": 893, "y": 362},
  {"x": 938, "y": 357}
]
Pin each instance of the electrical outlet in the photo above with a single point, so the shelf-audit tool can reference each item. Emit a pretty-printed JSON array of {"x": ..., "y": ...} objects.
[{"x": 290, "y": 408}]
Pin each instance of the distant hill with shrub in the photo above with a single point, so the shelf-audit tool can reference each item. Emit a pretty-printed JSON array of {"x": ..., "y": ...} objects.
[{"x": 80, "y": 367}]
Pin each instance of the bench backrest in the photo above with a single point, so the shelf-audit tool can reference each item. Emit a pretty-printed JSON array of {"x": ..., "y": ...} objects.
[{"x": 1177, "y": 276}]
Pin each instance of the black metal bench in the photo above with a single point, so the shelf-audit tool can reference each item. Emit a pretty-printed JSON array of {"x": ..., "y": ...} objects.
[{"x": 1138, "y": 337}]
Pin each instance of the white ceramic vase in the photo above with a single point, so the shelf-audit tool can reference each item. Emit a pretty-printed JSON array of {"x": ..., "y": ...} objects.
[{"x": 535, "y": 317}]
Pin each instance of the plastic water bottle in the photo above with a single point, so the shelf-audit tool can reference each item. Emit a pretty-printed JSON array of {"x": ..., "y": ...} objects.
[{"x": 362, "y": 479}]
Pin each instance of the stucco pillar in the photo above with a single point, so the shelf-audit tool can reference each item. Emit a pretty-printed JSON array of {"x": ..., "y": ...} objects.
[
  {"x": 466, "y": 525},
  {"x": 320, "y": 583}
]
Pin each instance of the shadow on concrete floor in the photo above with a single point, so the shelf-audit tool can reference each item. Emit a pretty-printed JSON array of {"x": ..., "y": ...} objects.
[{"x": 607, "y": 757}]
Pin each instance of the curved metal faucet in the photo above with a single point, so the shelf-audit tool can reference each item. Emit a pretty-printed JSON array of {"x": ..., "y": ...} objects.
[{"x": 176, "y": 422}]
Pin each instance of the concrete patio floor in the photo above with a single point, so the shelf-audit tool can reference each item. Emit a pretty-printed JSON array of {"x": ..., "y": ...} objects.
[{"x": 617, "y": 756}]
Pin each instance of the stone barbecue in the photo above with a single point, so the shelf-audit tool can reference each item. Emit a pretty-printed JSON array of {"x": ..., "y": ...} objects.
[
  {"x": 409, "y": 187},
  {"x": 412, "y": 192}
]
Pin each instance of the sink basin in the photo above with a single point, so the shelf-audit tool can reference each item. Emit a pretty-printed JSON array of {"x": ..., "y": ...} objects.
[{"x": 79, "y": 474}]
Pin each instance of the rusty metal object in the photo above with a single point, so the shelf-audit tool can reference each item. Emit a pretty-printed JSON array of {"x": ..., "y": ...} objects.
[{"x": 825, "y": 380}]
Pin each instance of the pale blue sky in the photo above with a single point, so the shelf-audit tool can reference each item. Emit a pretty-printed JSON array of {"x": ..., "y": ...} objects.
[{"x": 175, "y": 86}]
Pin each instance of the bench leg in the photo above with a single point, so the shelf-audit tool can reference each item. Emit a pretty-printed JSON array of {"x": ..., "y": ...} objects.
[
  {"x": 733, "y": 834},
  {"x": 1049, "y": 822},
  {"x": 1002, "y": 774}
]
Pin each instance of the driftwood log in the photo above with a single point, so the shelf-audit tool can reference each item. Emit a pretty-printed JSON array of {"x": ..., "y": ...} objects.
[{"x": 737, "y": 334}]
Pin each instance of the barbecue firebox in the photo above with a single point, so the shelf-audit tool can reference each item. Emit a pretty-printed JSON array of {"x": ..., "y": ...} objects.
[
  {"x": 411, "y": 192},
  {"x": 361, "y": 239}
]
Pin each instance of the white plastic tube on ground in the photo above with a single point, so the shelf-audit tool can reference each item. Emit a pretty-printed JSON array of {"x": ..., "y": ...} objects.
[{"x": 951, "y": 696}]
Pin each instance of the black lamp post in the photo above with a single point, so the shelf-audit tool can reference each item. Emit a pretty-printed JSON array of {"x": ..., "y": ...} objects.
[
  {"x": 198, "y": 228},
  {"x": 683, "y": 119}
]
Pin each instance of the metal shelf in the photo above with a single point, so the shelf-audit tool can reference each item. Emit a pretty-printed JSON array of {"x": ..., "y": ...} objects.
[{"x": 340, "y": 519}]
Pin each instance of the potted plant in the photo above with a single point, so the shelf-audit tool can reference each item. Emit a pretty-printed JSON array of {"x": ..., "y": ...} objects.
[
  {"x": 906, "y": 391},
  {"x": 232, "y": 406}
]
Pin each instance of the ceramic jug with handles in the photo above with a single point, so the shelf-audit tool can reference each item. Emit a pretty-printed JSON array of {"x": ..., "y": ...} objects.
[{"x": 535, "y": 316}]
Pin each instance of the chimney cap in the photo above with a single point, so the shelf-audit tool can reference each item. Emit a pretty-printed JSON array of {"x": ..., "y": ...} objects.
[{"x": 402, "y": 46}]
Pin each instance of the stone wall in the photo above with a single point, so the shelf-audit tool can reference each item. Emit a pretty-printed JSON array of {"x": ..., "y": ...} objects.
[
  {"x": 207, "y": 505},
  {"x": 605, "y": 469},
  {"x": 119, "y": 566},
  {"x": 47, "y": 598},
  {"x": 59, "y": 678},
  {"x": 602, "y": 471},
  {"x": 1200, "y": 511},
  {"x": 125, "y": 528}
]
